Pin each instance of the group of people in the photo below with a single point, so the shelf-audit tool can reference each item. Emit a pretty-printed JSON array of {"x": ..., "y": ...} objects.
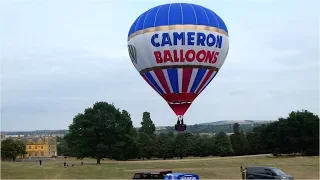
[
  {"x": 65, "y": 164},
  {"x": 243, "y": 172}
]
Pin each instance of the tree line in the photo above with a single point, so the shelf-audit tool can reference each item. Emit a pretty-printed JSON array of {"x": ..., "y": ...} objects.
[
  {"x": 210, "y": 128},
  {"x": 103, "y": 131}
]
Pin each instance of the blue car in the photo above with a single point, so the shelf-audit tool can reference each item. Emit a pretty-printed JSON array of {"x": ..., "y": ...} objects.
[
  {"x": 166, "y": 175},
  {"x": 181, "y": 176}
]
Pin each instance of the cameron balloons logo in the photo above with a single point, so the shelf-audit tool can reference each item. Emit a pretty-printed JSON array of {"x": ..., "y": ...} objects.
[{"x": 180, "y": 48}]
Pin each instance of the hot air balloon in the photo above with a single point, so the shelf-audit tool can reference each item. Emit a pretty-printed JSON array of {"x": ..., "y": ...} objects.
[{"x": 178, "y": 49}]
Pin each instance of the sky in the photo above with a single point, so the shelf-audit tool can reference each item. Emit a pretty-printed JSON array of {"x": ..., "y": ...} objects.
[{"x": 60, "y": 57}]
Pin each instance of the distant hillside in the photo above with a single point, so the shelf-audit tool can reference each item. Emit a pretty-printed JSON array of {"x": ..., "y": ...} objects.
[
  {"x": 241, "y": 122},
  {"x": 210, "y": 127},
  {"x": 218, "y": 126},
  {"x": 36, "y": 132}
]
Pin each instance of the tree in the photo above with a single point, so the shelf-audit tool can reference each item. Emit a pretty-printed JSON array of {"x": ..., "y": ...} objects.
[
  {"x": 147, "y": 125},
  {"x": 298, "y": 133},
  {"x": 223, "y": 145},
  {"x": 128, "y": 148},
  {"x": 254, "y": 143},
  {"x": 145, "y": 145},
  {"x": 236, "y": 128},
  {"x": 204, "y": 143},
  {"x": 303, "y": 130},
  {"x": 194, "y": 142},
  {"x": 11, "y": 149},
  {"x": 62, "y": 148},
  {"x": 181, "y": 145},
  {"x": 101, "y": 132},
  {"x": 163, "y": 146},
  {"x": 235, "y": 140},
  {"x": 244, "y": 143}
]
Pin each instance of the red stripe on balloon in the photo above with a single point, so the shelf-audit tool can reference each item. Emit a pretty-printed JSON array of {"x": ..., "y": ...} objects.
[
  {"x": 162, "y": 80},
  {"x": 205, "y": 80},
  {"x": 186, "y": 72}
]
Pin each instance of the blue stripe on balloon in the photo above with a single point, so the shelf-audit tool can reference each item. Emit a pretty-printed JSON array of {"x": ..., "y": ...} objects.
[
  {"x": 140, "y": 21},
  {"x": 189, "y": 17},
  {"x": 162, "y": 16},
  {"x": 173, "y": 77},
  {"x": 153, "y": 82},
  {"x": 177, "y": 13},
  {"x": 197, "y": 80},
  {"x": 150, "y": 18},
  {"x": 202, "y": 12}
]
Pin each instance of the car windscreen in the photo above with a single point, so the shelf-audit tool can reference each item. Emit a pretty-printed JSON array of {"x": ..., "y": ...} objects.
[{"x": 278, "y": 171}]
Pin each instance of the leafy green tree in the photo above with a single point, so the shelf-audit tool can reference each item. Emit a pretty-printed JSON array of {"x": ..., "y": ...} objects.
[
  {"x": 147, "y": 125},
  {"x": 11, "y": 149},
  {"x": 302, "y": 131},
  {"x": 145, "y": 145},
  {"x": 239, "y": 140},
  {"x": 298, "y": 133},
  {"x": 194, "y": 142},
  {"x": 128, "y": 147},
  {"x": 163, "y": 146},
  {"x": 181, "y": 145},
  {"x": 204, "y": 145},
  {"x": 223, "y": 144},
  {"x": 101, "y": 132},
  {"x": 236, "y": 128},
  {"x": 211, "y": 146},
  {"x": 254, "y": 143},
  {"x": 244, "y": 143},
  {"x": 235, "y": 140},
  {"x": 62, "y": 148},
  {"x": 59, "y": 139}
]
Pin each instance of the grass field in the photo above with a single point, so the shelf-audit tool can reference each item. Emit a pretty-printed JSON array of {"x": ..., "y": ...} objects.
[{"x": 207, "y": 168}]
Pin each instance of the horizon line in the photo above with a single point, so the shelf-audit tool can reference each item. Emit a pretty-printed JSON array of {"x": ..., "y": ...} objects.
[{"x": 134, "y": 126}]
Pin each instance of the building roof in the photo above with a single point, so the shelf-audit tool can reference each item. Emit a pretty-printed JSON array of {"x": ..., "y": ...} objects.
[{"x": 34, "y": 140}]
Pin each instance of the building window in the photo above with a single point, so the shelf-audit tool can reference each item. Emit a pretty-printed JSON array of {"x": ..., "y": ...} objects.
[
  {"x": 42, "y": 154},
  {"x": 36, "y": 154},
  {"x": 41, "y": 147},
  {"x": 29, "y": 147},
  {"x": 49, "y": 153},
  {"x": 29, "y": 154},
  {"x": 36, "y": 147}
]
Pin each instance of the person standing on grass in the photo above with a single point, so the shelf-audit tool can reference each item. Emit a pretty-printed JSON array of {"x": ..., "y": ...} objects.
[
  {"x": 242, "y": 173},
  {"x": 40, "y": 161}
]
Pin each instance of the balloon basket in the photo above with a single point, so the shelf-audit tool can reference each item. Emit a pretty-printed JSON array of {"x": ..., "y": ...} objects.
[{"x": 180, "y": 127}]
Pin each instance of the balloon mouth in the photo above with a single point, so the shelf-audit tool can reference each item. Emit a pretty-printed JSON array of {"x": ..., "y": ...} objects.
[
  {"x": 181, "y": 102},
  {"x": 180, "y": 109}
]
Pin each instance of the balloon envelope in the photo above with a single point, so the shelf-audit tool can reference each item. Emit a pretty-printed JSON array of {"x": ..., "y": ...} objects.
[{"x": 178, "y": 49}]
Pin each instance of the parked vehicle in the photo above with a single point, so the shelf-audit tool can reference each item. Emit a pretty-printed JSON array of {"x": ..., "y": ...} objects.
[
  {"x": 165, "y": 175},
  {"x": 150, "y": 175},
  {"x": 265, "y": 172}
]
